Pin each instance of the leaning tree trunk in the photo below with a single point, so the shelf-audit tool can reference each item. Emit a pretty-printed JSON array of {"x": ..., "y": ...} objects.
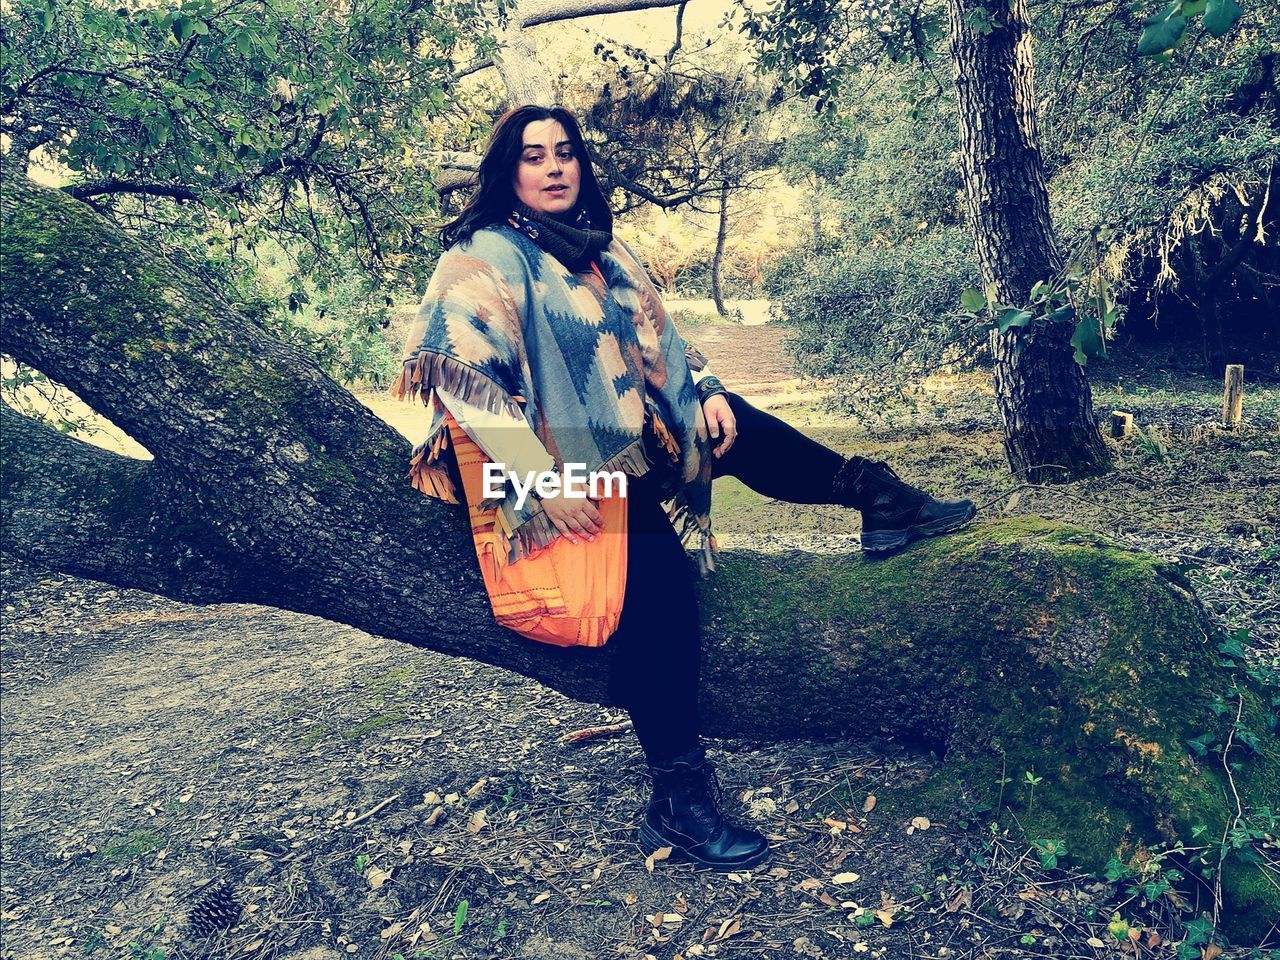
[
  {"x": 721, "y": 233},
  {"x": 1018, "y": 646},
  {"x": 1043, "y": 397}
]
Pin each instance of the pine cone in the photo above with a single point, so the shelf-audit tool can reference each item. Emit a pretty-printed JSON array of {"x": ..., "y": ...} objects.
[{"x": 217, "y": 909}]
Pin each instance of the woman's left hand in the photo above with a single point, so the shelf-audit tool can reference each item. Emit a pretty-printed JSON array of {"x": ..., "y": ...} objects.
[{"x": 720, "y": 421}]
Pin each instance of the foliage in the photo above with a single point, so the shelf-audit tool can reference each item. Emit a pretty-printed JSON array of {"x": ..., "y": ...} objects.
[
  {"x": 1159, "y": 169},
  {"x": 858, "y": 310},
  {"x": 279, "y": 150},
  {"x": 300, "y": 118}
]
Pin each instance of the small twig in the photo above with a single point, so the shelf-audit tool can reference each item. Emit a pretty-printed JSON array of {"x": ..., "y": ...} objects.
[
  {"x": 369, "y": 813},
  {"x": 595, "y": 733}
]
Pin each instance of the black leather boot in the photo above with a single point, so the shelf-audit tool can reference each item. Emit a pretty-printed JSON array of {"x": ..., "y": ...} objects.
[
  {"x": 684, "y": 815},
  {"x": 893, "y": 512}
]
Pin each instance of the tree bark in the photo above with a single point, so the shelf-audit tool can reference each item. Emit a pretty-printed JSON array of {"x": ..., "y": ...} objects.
[
  {"x": 1044, "y": 400},
  {"x": 1017, "y": 644}
]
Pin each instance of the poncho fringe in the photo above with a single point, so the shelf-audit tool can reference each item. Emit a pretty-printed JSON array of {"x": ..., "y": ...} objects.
[
  {"x": 427, "y": 370},
  {"x": 428, "y": 470}
]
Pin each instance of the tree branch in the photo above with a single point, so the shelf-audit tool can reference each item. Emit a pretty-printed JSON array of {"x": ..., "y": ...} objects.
[
  {"x": 531, "y": 14},
  {"x": 102, "y": 188}
]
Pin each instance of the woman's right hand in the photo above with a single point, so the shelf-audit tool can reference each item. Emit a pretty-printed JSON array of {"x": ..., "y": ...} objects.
[{"x": 573, "y": 516}]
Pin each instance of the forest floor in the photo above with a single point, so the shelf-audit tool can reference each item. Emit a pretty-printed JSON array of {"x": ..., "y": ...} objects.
[{"x": 362, "y": 798}]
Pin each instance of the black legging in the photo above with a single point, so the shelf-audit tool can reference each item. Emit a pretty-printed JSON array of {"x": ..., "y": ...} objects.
[{"x": 655, "y": 652}]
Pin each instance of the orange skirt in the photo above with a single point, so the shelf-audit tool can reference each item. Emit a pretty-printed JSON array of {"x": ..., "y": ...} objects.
[{"x": 567, "y": 594}]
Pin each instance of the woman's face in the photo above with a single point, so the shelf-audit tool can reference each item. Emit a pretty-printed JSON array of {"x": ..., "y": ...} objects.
[{"x": 547, "y": 174}]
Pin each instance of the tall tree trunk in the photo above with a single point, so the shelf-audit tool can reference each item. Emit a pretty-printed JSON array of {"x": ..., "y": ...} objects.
[
  {"x": 271, "y": 484},
  {"x": 721, "y": 233},
  {"x": 1044, "y": 400}
]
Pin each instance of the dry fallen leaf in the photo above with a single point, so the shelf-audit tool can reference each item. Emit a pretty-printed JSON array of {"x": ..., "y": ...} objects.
[
  {"x": 869, "y": 804},
  {"x": 919, "y": 823},
  {"x": 660, "y": 854},
  {"x": 728, "y": 929},
  {"x": 810, "y": 884},
  {"x": 888, "y": 909},
  {"x": 543, "y": 897},
  {"x": 1095, "y": 943},
  {"x": 846, "y": 878},
  {"x": 377, "y": 877},
  {"x": 476, "y": 823}
]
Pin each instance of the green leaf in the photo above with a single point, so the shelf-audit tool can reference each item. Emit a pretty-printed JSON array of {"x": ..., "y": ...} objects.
[
  {"x": 1116, "y": 871},
  {"x": 1088, "y": 340},
  {"x": 1233, "y": 646},
  {"x": 460, "y": 917},
  {"x": 1061, "y": 314},
  {"x": 1249, "y": 740},
  {"x": 1012, "y": 317},
  {"x": 972, "y": 300},
  {"x": 1163, "y": 31},
  {"x": 1220, "y": 16},
  {"x": 1201, "y": 744}
]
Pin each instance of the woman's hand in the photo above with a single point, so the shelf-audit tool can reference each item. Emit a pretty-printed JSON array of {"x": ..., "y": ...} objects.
[
  {"x": 720, "y": 420},
  {"x": 573, "y": 517}
]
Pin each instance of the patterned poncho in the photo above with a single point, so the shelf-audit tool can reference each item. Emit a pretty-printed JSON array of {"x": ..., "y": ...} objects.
[{"x": 587, "y": 360}]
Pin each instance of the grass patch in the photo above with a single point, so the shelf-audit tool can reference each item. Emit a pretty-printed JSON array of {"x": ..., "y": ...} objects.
[
  {"x": 121, "y": 849},
  {"x": 373, "y": 724}
]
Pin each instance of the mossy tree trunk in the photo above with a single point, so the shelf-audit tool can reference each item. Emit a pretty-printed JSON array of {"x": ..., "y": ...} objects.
[{"x": 1015, "y": 646}]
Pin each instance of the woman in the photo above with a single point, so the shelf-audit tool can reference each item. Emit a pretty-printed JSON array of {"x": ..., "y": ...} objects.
[{"x": 542, "y": 336}]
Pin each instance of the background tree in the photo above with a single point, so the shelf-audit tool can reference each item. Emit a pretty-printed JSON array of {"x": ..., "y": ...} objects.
[{"x": 838, "y": 51}]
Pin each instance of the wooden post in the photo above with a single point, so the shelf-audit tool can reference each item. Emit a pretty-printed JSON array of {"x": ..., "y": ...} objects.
[
  {"x": 1233, "y": 395},
  {"x": 1121, "y": 424}
]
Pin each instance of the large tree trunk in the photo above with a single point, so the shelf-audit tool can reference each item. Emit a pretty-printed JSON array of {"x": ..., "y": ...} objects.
[
  {"x": 1044, "y": 399},
  {"x": 1018, "y": 645}
]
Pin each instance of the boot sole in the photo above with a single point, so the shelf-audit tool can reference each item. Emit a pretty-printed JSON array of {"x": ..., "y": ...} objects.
[
  {"x": 651, "y": 840},
  {"x": 883, "y": 541}
]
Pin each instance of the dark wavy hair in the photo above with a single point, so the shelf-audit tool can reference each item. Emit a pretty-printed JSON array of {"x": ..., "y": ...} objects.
[{"x": 495, "y": 197}]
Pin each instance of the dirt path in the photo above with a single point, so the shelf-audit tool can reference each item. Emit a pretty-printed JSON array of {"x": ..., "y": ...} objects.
[
  {"x": 749, "y": 359},
  {"x": 167, "y": 745}
]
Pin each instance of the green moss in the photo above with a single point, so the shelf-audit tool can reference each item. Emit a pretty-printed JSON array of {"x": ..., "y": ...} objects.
[{"x": 1021, "y": 645}]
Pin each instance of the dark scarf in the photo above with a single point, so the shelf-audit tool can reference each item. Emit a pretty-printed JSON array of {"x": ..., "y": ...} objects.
[{"x": 572, "y": 241}]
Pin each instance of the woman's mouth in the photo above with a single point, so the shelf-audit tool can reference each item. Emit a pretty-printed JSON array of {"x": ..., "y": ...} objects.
[{"x": 558, "y": 189}]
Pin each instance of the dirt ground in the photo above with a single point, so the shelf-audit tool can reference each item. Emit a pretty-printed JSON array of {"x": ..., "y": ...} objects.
[{"x": 358, "y": 797}]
